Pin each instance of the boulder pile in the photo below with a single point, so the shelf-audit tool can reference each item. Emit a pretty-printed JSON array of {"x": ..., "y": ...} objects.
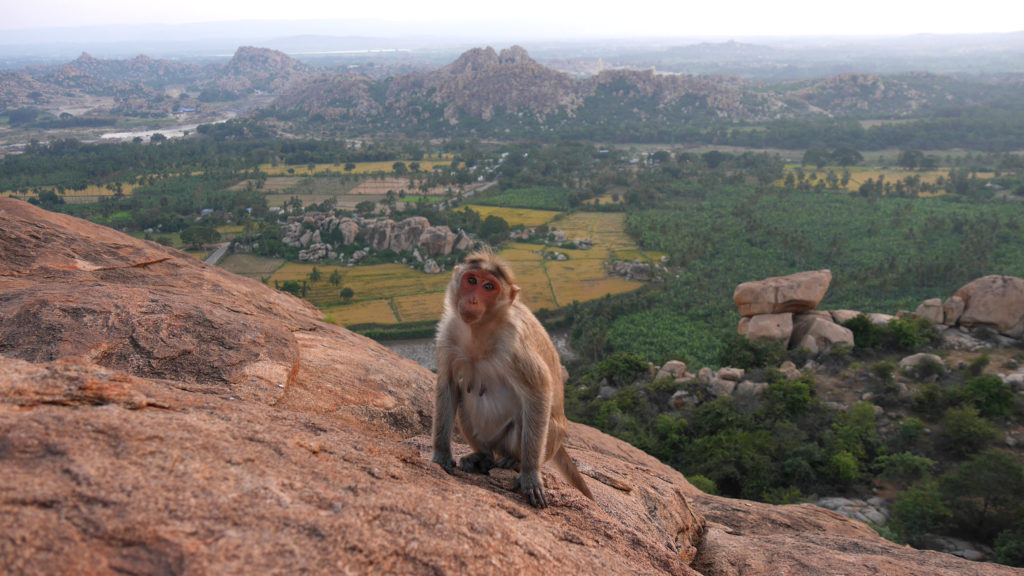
[{"x": 320, "y": 234}]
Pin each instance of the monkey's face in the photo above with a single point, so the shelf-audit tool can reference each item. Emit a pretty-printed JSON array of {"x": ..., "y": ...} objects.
[{"x": 479, "y": 293}]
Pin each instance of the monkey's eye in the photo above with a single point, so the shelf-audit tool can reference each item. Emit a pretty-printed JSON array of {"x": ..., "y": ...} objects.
[
  {"x": 471, "y": 280},
  {"x": 488, "y": 286}
]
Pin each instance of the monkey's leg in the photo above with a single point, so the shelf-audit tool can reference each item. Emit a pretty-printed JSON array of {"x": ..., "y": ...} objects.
[{"x": 477, "y": 462}]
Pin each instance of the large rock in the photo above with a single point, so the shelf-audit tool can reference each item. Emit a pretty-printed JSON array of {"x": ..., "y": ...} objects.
[
  {"x": 377, "y": 233},
  {"x": 794, "y": 293},
  {"x": 774, "y": 327},
  {"x": 997, "y": 301},
  {"x": 405, "y": 236},
  {"x": 817, "y": 334},
  {"x": 437, "y": 241},
  {"x": 158, "y": 415},
  {"x": 931, "y": 310}
]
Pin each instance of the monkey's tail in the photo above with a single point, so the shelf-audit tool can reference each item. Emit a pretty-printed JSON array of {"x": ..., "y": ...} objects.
[{"x": 568, "y": 469}]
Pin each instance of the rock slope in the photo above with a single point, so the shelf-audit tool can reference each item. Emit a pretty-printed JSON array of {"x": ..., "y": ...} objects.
[{"x": 161, "y": 416}]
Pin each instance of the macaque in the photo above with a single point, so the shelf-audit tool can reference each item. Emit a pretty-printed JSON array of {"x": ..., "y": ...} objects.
[{"x": 499, "y": 375}]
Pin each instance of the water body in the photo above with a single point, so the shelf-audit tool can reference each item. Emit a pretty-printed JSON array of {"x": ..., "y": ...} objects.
[{"x": 421, "y": 350}]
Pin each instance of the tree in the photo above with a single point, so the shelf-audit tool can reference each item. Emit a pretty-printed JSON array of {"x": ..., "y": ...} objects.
[
  {"x": 349, "y": 166},
  {"x": 347, "y": 293},
  {"x": 196, "y": 236},
  {"x": 399, "y": 168},
  {"x": 315, "y": 274},
  {"x": 494, "y": 229},
  {"x": 986, "y": 494},
  {"x": 335, "y": 277}
]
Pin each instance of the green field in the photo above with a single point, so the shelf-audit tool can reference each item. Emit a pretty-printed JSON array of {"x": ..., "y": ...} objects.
[{"x": 396, "y": 293}]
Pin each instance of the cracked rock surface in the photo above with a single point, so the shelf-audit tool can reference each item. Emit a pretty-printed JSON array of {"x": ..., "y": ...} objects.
[{"x": 162, "y": 416}]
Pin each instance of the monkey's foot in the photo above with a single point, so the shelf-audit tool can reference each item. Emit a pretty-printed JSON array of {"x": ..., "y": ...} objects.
[
  {"x": 476, "y": 463},
  {"x": 532, "y": 487},
  {"x": 444, "y": 459},
  {"x": 507, "y": 463}
]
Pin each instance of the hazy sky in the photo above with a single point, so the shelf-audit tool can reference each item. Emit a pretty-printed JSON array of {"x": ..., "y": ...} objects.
[{"x": 573, "y": 17}]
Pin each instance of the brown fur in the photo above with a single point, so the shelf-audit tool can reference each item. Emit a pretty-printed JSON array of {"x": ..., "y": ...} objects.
[{"x": 501, "y": 379}]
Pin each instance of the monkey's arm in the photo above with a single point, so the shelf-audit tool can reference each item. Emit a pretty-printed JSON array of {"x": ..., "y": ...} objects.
[
  {"x": 444, "y": 417},
  {"x": 536, "y": 397}
]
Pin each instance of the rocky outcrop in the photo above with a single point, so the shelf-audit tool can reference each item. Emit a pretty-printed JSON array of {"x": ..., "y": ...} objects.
[
  {"x": 996, "y": 301},
  {"x": 159, "y": 415},
  {"x": 782, "y": 309},
  {"x": 636, "y": 270},
  {"x": 408, "y": 235},
  {"x": 794, "y": 293}
]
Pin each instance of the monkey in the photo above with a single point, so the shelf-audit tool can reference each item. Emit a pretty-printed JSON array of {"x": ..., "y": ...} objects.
[{"x": 500, "y": 378}]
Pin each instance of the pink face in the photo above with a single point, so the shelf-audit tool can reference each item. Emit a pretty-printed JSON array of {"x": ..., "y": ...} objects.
[{"x": 478, "y": 293}]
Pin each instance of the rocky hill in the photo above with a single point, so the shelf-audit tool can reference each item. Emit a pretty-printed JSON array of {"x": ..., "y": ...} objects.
[
  {"x": 263, "y": 69},
  {"x": 159, "y": 415}
]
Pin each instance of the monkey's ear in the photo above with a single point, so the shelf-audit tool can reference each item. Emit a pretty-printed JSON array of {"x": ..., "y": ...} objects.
[{"x": 512, "y": 292}]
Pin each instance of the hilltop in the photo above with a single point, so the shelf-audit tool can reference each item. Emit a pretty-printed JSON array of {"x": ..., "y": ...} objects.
[{"x": 162, "y": 415}]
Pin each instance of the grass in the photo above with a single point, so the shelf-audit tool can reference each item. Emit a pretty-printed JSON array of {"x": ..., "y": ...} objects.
[
  {"x": 516, "y": 216},
  {"x": 250, "y": 266},
  {"x": 339, "y": 168}
]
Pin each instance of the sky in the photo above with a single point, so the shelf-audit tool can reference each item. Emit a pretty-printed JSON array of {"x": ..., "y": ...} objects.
[{"x": 734, "y": 18}]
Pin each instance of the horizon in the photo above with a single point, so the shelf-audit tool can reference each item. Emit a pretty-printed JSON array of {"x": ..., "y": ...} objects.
[{"x": 531, "y": 19}]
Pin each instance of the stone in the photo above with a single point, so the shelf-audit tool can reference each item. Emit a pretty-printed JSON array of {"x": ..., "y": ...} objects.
[
  {"x": 161, "y": 415},
  {"x": 952, "y": 309},
  {"x": 704, "y": 376},
  {"x": 914, "y": 361},
  {"x": 719, "y": 387},
  {"x": 750, "y": 388},
  {"x": 931, "y": 310},
  {"x": 462, "y": 242},
  {"x": 844, "y": 316},
  {"x": 879, "y": 319},
  {"x": 997, "y": 301},
  {"x": 671, "y": 369},
  {"x": 431, "y": 267},
  {"x": 789, "y": 370},
  {"x": 681, "y": 399},
  {"x": 437, "y": 241},
  {"x": 794, "y": 293},
  {"x": 818, "y": 335},
  {"x": 405, "y": 234},
  {"x": 729, "y": 373},
  {"x": 377, "y": 233},
  {"x": 773, "y": 327}
]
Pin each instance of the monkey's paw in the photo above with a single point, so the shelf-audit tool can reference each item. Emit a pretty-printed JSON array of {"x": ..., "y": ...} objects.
[
  {"x": 507, "y": 463},
  {"x": 531, "y": 486},
  {"x": 445, "y": 461},
  {"x": 477, "y": 462}
]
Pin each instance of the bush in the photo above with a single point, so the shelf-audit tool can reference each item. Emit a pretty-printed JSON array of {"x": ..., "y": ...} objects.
[
  {"x": 986, "y": 494},
  {"x": 1009, "y": 546},
  {"x": 703, "y": 483},
  {"x": 620, "y": 368},
  {"x": 743, "y": 353},
  {"x": 911, "y": 430},
  {"x": 990, "y": 395},
  {"x": 917, "y": 511},
  {"x": 964, "y": 431},
  {"x": 905, "y": 467},
  {"x": 844, "y": 467},
  {"x": 865, "y": 333},
  {"x": 911, "y": 333}
]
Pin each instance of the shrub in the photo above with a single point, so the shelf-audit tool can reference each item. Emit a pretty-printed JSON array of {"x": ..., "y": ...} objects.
[
  {"x": 620, "y": 368},
  {"x": 905, "y": 467},
  {"x": 986, "y": 494},
  {"x": 964, "y": 431},
  {"x": 911, "y": 430},
  {"x": 917, "y": 511},
  {"x": 844, "y": 467},
  {"x": 743, "y": 353},
  {"x": 703, "y": 483},
  {"x": 865, "y": 333},
  {"x": 1009, "y": 546},
  {"x": 990, "y": 395}
]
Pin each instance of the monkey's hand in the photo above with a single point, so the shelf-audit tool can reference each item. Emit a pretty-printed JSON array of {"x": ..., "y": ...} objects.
[
  {"x": 445, "y": 460},
  {"x": 529, "y": 483}
]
